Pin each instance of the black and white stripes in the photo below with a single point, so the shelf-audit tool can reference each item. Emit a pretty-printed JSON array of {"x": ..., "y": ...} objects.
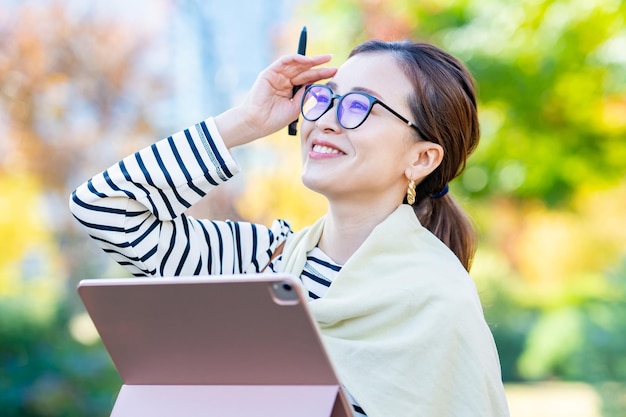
[
  {"x": 134, "y": 211},
  {"x": 319, "y": 271}
]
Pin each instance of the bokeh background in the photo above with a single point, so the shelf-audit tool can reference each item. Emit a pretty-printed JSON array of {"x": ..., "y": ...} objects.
[{"x": 84, "y": 83}]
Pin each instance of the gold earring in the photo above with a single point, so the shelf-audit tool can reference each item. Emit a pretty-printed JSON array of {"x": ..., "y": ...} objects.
[{"x": 410, "y": 192}]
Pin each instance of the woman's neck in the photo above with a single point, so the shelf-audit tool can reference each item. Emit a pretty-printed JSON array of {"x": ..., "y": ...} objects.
[{"x": 346, "y": 228}]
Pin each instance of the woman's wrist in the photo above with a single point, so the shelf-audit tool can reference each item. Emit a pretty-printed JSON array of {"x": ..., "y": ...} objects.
[{"x": 236, "y": 127}]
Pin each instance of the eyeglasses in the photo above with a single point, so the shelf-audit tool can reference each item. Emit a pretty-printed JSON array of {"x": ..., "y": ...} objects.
[{"x": 352, "y": 108}]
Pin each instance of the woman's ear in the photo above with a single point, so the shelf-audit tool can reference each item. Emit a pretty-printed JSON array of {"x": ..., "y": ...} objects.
[{"x": 427, "y": 156}]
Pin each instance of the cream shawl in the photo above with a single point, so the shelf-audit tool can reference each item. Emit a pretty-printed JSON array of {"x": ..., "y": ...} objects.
[{"x": 403, "y": 324}]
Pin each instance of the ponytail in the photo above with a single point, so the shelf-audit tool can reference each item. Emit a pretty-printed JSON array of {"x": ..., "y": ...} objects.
[{"x": 451, "y": 224}]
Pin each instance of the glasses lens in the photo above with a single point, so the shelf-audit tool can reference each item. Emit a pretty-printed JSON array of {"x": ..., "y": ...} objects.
[
  {"x": 316, "y": 102},
  {"x": 353, "y": 109}
]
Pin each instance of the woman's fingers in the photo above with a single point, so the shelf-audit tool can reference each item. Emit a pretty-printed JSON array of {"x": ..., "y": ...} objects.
[
  {"x": 313, "y": 75},
  {"x": 292, "y": 70},
  {"x": 301, "y": 61}
]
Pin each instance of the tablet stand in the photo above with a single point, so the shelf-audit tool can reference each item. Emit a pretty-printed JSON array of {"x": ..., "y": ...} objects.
[{"x": 229, "y": 400}]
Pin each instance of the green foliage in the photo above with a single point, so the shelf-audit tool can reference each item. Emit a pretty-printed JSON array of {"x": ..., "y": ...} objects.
[
  {"x": 550, "y": 80},
  {"x": 601, "y": 358},
  {"x": 45, "y": 372},
  {"x": 548, "y": 86},
  {"x": 510, "y": 323},
  {"x": 584, "y": 341}
]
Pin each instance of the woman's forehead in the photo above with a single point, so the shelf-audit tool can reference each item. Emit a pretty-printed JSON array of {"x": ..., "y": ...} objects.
[{"x": 376, "y": 73}]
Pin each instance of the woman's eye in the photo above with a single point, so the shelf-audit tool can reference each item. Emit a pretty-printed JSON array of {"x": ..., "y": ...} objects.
[
  {"x": 359, "y": 106},
  {"x": 323, "y": 99}
]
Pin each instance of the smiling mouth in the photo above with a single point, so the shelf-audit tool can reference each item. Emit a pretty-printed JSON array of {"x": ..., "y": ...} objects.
[{"x": 325, "y": 149}]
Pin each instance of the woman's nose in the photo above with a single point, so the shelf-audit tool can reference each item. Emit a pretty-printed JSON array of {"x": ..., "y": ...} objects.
[{"x": 328, "y": 120}]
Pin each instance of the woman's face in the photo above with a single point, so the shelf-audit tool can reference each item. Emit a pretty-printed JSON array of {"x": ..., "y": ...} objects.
[{"x": 368, "y": 163}]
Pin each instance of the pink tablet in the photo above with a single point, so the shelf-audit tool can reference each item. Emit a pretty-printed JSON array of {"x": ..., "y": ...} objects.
[{"x": 239, "y": 345}]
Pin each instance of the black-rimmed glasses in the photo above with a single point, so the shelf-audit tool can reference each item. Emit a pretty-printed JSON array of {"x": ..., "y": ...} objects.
[{"x": 352, "y": 108}]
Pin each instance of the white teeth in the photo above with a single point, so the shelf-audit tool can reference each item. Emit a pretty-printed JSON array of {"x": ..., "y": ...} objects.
[{"x": 324, "y": 149}]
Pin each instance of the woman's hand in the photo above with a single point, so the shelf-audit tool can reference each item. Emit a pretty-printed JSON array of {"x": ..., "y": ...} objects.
[{"x": 269, "y": 105}]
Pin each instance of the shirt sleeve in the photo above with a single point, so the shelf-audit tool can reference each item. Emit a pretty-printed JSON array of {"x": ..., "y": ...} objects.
[{"x": 134, "y": 210}]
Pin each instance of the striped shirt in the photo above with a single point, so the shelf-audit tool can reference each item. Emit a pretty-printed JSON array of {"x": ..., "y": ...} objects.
[{"x": 135, "y": 212}]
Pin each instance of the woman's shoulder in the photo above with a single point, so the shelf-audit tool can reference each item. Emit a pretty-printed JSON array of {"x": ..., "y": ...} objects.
[{"x": 436, "y": 275}]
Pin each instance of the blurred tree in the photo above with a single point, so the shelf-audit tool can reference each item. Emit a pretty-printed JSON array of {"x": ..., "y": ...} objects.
[
  {"x": 550, "y": 76},
  {"x": 29, "y": 266},
  {"x": 584, "y": 342},
  {"x": 73, "y": 95},
  {"x": 68, "y": 80}
]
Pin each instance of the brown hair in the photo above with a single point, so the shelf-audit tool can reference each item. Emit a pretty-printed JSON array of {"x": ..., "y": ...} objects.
[{"x": 443, "y": 107}]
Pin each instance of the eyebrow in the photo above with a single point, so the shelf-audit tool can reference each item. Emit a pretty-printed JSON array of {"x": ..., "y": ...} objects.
[{"x": 333, "y": 86}]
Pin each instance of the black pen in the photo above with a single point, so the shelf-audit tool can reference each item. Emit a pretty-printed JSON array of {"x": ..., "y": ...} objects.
[{"x": 293, "y": 126}]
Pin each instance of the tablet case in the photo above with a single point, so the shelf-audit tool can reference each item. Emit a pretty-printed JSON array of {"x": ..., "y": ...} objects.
[{"x": 241, "y": 345}]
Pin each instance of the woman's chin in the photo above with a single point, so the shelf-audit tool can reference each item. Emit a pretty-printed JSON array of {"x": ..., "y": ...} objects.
[{"x": 313, "y": 184}]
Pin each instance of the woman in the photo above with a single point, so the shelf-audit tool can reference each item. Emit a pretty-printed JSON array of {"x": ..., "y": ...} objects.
[{"x": 385, "y": 268}]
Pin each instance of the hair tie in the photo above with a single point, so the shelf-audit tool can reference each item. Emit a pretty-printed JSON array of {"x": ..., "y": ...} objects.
[{"x": 441, "y": 193}]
